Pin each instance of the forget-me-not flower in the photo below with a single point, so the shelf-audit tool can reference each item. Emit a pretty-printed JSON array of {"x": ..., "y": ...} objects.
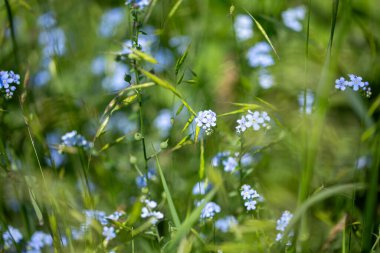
[{"x": 206, "y": 120}]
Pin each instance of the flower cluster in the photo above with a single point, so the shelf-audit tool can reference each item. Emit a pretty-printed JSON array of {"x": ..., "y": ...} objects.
[
  {"x": 292, "y": 18},
  {"x": 255, "y": 119},
  {"x": 250, "y": 196},
  {"x": 356, "y": 83},
  {"x": 8, "y": 82},
  {"x": 243, "y": 27},
  {"x": 206, "y": 120},
  {"x": 148, "y": 211},
  {"x": 226, "y": 223},
  {"x": 209, "y": 210},
  {"x": 10, "y": 236},
  {"x": 73, "y": 139},
  {"x": 282, "y": 223},
  {"x": 140, "y": 4}
]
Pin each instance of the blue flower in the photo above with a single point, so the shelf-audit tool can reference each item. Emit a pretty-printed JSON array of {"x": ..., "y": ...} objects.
[
  {"x": 38, "y": 241},
  {"x": 308, "y": 103},
  {"x": 110, "y": 20},
  {"x": 201, "y": 188},
  {"x": 230, "y": 164},
  {"x": 356, "y": 83}
]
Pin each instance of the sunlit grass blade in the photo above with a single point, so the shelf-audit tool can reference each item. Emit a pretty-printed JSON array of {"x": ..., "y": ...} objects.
[
  {"x": 264, "y": 33},
  {"x": 172, "y": 208},
  {"x": 174, "y": 8}
]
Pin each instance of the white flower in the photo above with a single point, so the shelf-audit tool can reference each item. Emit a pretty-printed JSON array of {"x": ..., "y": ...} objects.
[
  {"x": 340, "y": 83},
  {"x": 283, "y": 222},
  {"x": 150, "y": 203},
  {"x": 206, "y": 120},
  {"x": 265, "y": 79}
]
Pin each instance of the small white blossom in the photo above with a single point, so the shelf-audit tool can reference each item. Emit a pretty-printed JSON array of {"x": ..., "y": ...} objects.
[
  {"x": 281, "y": 225},
  {"x": 206, "y": 120},
  {"x": 259, "y": 55}
]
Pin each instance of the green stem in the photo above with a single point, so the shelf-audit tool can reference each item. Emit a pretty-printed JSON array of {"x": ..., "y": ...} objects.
[{"x": 12, "y": 29}]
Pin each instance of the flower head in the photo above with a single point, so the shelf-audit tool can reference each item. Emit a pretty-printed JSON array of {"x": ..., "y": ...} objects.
[
  {"x": 10, "y": 236},
  {"x": 282, "y": 223},
  {"x": 139, "y": 4},
  {"x": 206, "y": 120}
]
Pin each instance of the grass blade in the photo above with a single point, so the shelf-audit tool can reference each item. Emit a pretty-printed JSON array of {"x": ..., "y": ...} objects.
[{"x": 172, "y": 209}]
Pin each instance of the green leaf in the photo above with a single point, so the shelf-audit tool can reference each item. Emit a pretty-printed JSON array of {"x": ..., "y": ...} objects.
[
  {"x": 181, "y": 60},
  {"x": 144, "y": 56},
  {"x": 37, "y": 210},
  {"x": 174, "y": 9}
]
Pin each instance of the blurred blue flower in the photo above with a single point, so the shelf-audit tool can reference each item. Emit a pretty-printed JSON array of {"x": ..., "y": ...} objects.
[
  {"x": 115, "y": 81},
  {"x": 164, "y": 58},
  {"x": 201, "y": 188},
  {"x": 46, "y": 20},
  {"x": 98, "y": 65},
  {"x": 109, "y": 233},
  {"x": 38, "y": 241},
  {"x": 282, "y": 223},
  {"x": 230, "y": 164},
  {"x": 265, "y": 79},
  {"x": 163, "y": 122},
  {"x": 259, "y": 55},
  {"x": 243, "y": 27},
  {"x": 292, "y": 17},
  {"x": 42, "y": 77},
  {"x": 110, "y": 20},
  {"x": 180, "y": 43},
  {"x": 210, "y": 210},
  {"x": 226, "y": 223},
  {"x": 10, "y": 236},
  {"x": 73, "y": 139},
  {"x": 307, "y": 104},
  {"x": 53, "y": 41}
]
